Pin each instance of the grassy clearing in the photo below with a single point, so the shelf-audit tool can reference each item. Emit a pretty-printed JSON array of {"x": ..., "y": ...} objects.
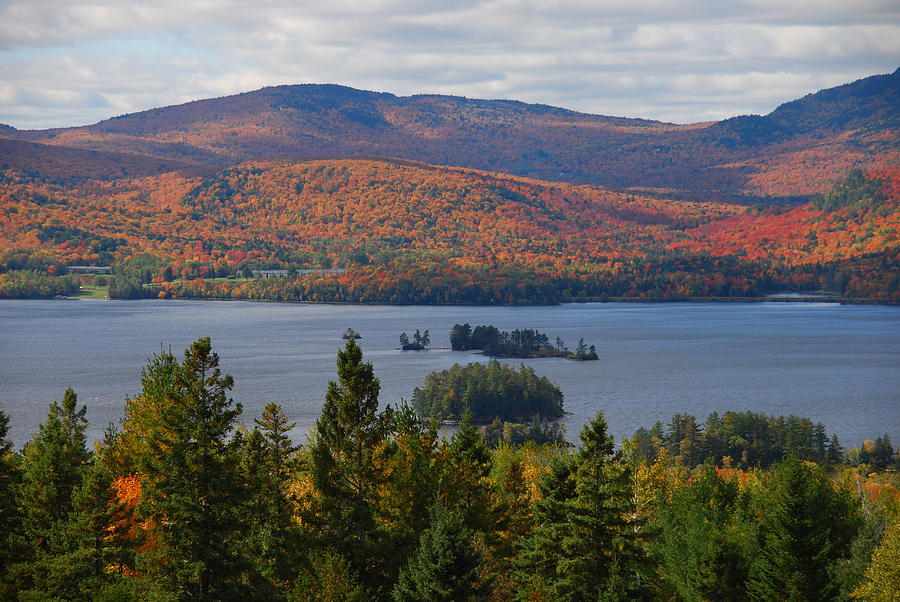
[{"x": 92, "y": 291}]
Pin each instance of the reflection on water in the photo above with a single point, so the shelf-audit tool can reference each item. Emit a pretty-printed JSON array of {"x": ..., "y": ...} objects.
[{"x": 836, "y": 364}]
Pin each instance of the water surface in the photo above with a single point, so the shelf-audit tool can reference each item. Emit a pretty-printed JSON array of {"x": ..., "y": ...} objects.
[{"x": 832, "y": 363}]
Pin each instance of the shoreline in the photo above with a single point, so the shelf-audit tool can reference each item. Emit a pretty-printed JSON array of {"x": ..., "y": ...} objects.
[{"x": 583, "y": 300}]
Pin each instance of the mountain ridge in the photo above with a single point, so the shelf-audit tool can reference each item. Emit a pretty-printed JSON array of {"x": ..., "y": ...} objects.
[{"x": 309, "y": 121}]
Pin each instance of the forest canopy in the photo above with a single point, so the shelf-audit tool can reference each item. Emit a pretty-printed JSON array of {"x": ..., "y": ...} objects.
[
  {"x": 488, "y": 391},
  {"x": 181, "y": 501}
]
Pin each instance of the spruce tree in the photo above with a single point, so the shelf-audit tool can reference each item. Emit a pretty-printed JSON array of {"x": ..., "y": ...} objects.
[
  {"x": 52, "y": 465},
  {"x": 192, "y": 492},
  {"x": 349, "y": 434},
  {"x": 700, "y": 544},
  {"x": 465, "y": 487},
  {"x": 445, "y": 565},
  {"x": 267, "y": 458},
  {"x": 599, "y": 547},
  {"x": 10, "y": 520},
  {"x": 538, "y": 553},
  {"x": 805, "y": 527}
]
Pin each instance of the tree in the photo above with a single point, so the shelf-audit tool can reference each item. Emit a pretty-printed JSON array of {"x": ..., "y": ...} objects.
[
  {"x": 192, "y": 492},
  {"x": 599, "y": 547},
  {"x": 805, "y": 526},
  {"x": 10, "y": 520},
  {"x": 404, "y": 339},
  {"x": 699, "y": 544},
  {"x": 465, "y": 488},
  {"x": 883, "y": 574},
  {"x": 345, "y": 472},
  {"x": 445, "y": 566},
  {"x": 534, "y": 567},
  {"x": 52, "y": 465},
  {"x": 413, "y": 474},
  {"x": 267, "y": 465}
]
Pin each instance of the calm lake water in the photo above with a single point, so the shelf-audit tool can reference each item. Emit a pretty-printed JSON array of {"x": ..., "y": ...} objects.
[{"x": 836, "y": 364}]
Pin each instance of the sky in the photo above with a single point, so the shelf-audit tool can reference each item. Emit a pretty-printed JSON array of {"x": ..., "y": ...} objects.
[{"x": 75, "y": 62}]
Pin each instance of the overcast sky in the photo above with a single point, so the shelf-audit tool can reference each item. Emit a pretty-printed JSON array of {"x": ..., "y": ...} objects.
[{"x": 74, "y": 62}]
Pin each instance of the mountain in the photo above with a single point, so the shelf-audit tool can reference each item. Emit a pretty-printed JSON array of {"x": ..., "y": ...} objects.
[
  {"x": 799, "y": 149},
  {"x": 403, "y": 232}
]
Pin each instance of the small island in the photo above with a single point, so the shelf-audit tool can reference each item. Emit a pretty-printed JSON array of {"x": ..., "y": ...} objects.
[
  {"x": 525, "y": 343},
  {"x": 351, "y": 334},
  {"x": 419, "y": 341},
  {"x": 488, "y": 391}
]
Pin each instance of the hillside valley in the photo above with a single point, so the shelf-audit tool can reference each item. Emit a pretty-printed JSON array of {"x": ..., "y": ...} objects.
[{"x": 369, "y": 197}]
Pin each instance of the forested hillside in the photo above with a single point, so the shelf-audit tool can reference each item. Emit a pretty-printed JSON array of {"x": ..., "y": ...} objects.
[
  {"x": 798, "y": 149},
  {"x": 187, "y": 499},
  {"x": 194, "y": 200},
  {"x": 364, "y": 230}
]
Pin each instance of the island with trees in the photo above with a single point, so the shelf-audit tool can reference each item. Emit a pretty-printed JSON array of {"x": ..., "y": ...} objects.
[
  {"x": 519, "y": 343},
  {"x": 419, "y": 342},
  {"x": 488, "y": 391},
  {"x": 183, "y": 501}
]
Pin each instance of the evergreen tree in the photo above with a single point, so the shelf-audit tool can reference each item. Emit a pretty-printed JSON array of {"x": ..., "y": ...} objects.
[
  {"x": 805, "y": 527},
  {"x": 445, "y": 566},
  {"x": 52, "y": 466},
  {"x": 599, "y": 547},
  {"x": 413, "y": 476},
  {"x": 10, "y": 520},
  {"x": 267, "y": 460},
  {"x": 192, "y": 492},
  {"x": 349, "y": 434},
  {"x": 466, "y": 488},
  {"x": 144, "y": 413},
  {"x": 699, "y": 546},
  {"x": 541, "y": 550}
]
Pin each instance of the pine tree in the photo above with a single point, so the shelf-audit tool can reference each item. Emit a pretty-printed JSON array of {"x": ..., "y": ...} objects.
[
  {"x": 541, "y": 550},
  {"x": 599, "y": 547},
  {"x": 267, "y": 458},
  {"x": 10, "y": 520},
  {"x": 349, "y": 435},
  {"x": 445, "y": 566},
  {"x": 191, "y": 490},
  {"x": 806, "y": 525},
  {"x": 699, "y": 545},
  {"x": 52, "y": 464},
  {"x": 413, "y": 476},
  {"x": 465, "y": 487}
]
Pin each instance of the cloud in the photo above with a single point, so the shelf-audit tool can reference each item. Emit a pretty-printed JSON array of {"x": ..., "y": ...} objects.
[{"x": 71, "y": 62}]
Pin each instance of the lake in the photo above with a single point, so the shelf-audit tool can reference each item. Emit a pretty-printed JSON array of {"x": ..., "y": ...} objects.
[{"x": 832, "y": 363}]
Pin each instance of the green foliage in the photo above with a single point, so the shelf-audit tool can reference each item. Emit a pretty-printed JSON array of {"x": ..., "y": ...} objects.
[
  {"x": 856, "y": 190},
  {"x": 445, "y": 565},
  {"x": 805, "y": 526},
  {"x": 746, "y": 438},
  {"x": 883, "y": 574},
  {"x": 349, "y": 433},
  {"x": 267, "y": 463},
  {"x": 537, "y": 431},
  {"x": 192, "y": 491},
  {"x": 599, "y": 545},
  {"x": 701, "y": 544},
  {"x": 52, "y": 465},
  {"x": 179, "y": 505},
  {"x": 26, "y": 283},
  {"x": 488, "y": 391},
  {"x": 10, "y": 520}
]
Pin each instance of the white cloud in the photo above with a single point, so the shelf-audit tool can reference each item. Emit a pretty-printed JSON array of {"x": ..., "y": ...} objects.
[{"x": 70, "y": 62}]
